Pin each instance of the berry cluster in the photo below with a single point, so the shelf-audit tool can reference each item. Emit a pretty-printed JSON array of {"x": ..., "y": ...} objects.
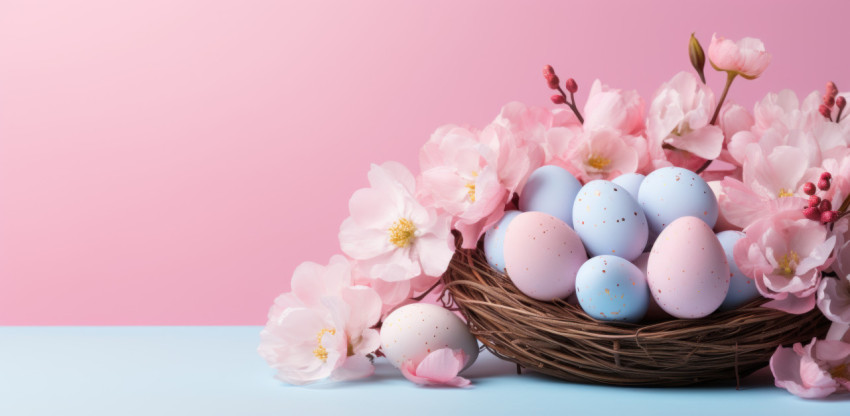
[
  {"x": 561, "y": 98},
  {"x": 830, "y": 100},
  {"x": 820, "y": 209}
]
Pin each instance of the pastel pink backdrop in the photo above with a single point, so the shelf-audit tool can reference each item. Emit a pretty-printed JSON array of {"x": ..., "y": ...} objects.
[{"x": 172, "y": 162}]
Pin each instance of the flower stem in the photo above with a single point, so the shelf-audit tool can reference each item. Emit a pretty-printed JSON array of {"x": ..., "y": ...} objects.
[
  {"x": 572, "y": 104},
  {"x": 730, "y": 76}
]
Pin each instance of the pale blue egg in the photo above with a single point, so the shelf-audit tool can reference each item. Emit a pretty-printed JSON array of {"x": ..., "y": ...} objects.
[
  {"x": 551, "y": 190},
  {"x": 742, "y": 289},
  {"x": 609, "y": 221},
  {"x": 630, "y": 182},
  {"x": 670, "y": 193},
  {"x": 494, "y": 241},
  {"x": 609, "y": 288}
]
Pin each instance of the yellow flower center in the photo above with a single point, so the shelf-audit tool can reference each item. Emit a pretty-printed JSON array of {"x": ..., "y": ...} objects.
[
  {"x": 788, "y": 263},
  {"x": 321, "y": 352},
  {"x": 471, "y": 191},
  {"x": 784, "y": 193},
  {"x": 597, "y": 162},
  {"x": 470, "y": 186},
  {"x": 402, "y": 232}
]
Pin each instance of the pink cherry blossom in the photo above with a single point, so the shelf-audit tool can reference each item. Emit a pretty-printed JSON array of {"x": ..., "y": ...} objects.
[
  {"x": 472, "y": 175},
  {"x": 550, "y": 129},
  {"x": 439, "y": 368},
  {"x": 530, "y": 123},
  {"x": 678, "y": 129},
  {"x": 834, "y": 296},
  {"x": 771, "y": 183},
  {"x": 815, "y": 371},
  {"x": 785, "y": 253},
  {"x": 514, "y": 159},
  {"x": 390, "y": 234},
  {"x": 610, "y": 108},
  {"x": 746, "y": 57},
  {"x": 323, "y": 328},
  {"x": 603, "y": 154}
]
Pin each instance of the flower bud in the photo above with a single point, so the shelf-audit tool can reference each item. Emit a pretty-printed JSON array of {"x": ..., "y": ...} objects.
[
  {"x": 825, "y": 205},
  {"x": 809, "y": 188},
  {"x": 812, "y": 213},
  {"x": 823, "y": 184},
  {"x": 697, "y": 56},
  {"x": 824, "y": 111},
  {"x": 826, "y": 175},
  {"x": 814, "y": 200},
  {"x": 828, "y": 100},
  {"x": 558, "y": 99},
  {"x": 572, "y": 87},
  {"x": 840, "y": 102},
  {"x": 551, "y": 78},
  {"x": 831, "y": 89}
]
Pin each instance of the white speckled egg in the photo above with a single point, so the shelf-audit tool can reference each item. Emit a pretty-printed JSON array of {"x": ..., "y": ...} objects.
[
  {"x": 687, "y": 271},
  {"x": 630, "y": 182},
  {"x": 670, "y": 193},
  {"x": 412, "y": 331},
  {"x": 551, "y": 190},
  {"x": 609, "y": 220},
  {"x": 494, "y": 241},
  {"x": 609, "y": 288},
  {"x": 542, "y": 256},
  {"x": 742, "y": 289}
]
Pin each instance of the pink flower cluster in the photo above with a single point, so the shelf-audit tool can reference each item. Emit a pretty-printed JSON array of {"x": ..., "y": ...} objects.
[{"x": 785, "y": 170}]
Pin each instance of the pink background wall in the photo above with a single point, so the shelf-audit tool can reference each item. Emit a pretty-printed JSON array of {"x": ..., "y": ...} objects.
[{"x": 172, "y": 164}]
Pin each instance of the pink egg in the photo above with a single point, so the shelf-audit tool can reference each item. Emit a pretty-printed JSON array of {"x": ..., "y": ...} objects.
[
  {"x": 543, "y": 255},
  {"x": 687, "y": 270}
]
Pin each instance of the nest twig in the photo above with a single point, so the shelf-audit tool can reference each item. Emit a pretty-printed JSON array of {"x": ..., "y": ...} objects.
[{"x": 560, "y": 340}]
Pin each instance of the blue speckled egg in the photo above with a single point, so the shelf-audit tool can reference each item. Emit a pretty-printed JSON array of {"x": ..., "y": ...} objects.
[
  {"x": 670, "y": 193},
  {"x": 609, "y": 288},
  {"x": 609, "y": 221},
  {"x": 630, "y": 182},
  {"x": 551, "y": 190},
  {"x": 494, "y": 241},
  {"x": 742, "y": 289}
]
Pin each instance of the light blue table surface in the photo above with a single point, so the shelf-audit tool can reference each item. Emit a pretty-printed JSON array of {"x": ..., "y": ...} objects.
[{"x": 216, "y": 371}]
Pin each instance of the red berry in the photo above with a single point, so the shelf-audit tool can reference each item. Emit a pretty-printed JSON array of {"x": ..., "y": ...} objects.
[
  {"x": 840, "y": 102},
  {"x": 826, "y": 175},
  {"x": 823, "y": 184},
  {"x": 814, "y": 201},
  {"x": 812, "y": 213},
  {"x": 572, "y": 86},
  {"x": 828, "y": 217},
  {"x": 825, "y": 205},
  {"x": 558, "y": 99},
  {"x": 809, "y": 188}
]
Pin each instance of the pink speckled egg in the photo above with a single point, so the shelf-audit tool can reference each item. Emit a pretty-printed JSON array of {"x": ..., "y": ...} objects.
[
  {"x": 687, "y": 271},
  {"x": 543, "y": 255}
]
